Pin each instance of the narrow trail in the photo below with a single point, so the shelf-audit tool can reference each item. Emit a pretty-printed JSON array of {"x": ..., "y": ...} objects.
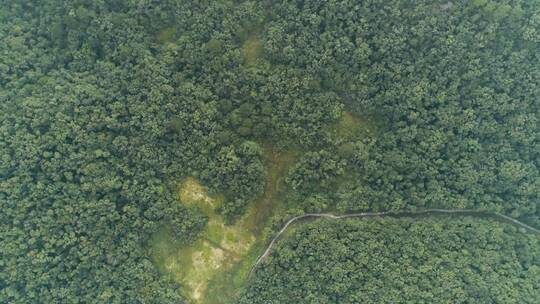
[{"x": 463, "y": 212}]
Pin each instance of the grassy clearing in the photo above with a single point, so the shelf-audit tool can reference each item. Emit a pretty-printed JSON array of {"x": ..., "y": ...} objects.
[
  {"x": 219, "y": 247},
  {"x": 192, "y": 193},
  {"x": 215, "y": 267},
  {"x": 225, "y": 285},
  {"x": 252, "y": 49},
  {"x": 351, "y": 127}
]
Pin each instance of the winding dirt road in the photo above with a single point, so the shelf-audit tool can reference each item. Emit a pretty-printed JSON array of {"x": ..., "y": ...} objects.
[{"x": 393, "y": 214}]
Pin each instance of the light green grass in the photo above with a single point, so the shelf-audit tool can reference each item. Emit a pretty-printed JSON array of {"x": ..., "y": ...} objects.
[
  {"x": 215, "y": 267},
  {"x": 226, "y": 284},
  {"x": 252, "y": 49},
  {"x": 219, "y": 246},
  {"x": 215, "y": 231},
  {"x": 350, "y": 127}
]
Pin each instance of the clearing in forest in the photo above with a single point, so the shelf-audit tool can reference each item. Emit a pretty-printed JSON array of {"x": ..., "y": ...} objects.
[
  {"x": 252, "y": 49},
  {"x": 351, "y": 126},
  {"x": 216, "y": 265},
  {"x": 224, "y": 286},
  {"x": 218, "y": 246}
]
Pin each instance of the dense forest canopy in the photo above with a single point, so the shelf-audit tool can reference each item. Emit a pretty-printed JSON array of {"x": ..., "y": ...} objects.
[
  {"x": 106, "y": 106},
  {"x": 436, "y": 260}
]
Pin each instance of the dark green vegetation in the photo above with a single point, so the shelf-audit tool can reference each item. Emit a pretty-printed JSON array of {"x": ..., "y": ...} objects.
[
  {"x": 432, "y": 260},
  {"x": 105, "y": 106}
]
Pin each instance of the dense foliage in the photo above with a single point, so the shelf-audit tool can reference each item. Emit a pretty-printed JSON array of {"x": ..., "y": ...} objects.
[
  {"x": 455, "y": 88},
  {"x": 106, "y": 105},
  {"x": 437, "y": 260}
]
